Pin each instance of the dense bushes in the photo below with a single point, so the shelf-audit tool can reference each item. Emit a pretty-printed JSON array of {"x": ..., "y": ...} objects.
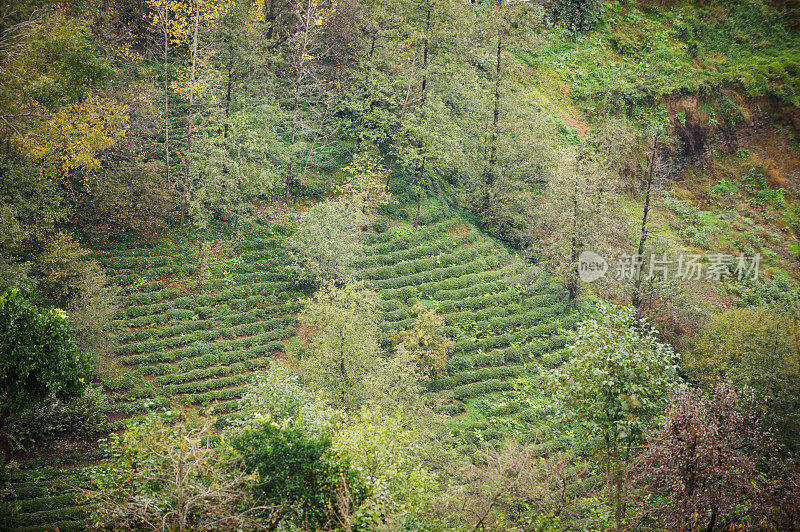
[
  {"x": 482, "y": 374},
  {"x": 578, "y": 16},
  {"x": 422, "y": 251},
  {"x": 52, "y": 418},
  {"x": 325, "y": 245},
  {"x": 132, "y": 201},
  {"x": 481, "y": 388}
]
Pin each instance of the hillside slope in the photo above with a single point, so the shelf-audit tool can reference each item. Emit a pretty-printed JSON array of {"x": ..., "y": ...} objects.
[
  {"x": 502, "y": 314},
  {"x": 192, "y": 348}
]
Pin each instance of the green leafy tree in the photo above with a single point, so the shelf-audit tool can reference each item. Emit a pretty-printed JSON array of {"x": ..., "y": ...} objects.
[
  {"x": 297, "y": 474},
  {"x": 325, "y": 245},
  {"x": 617, "y": 380},
  {"x": 757, "y": 347},
  {"x": 364, "y": 175},
  {"x": 49, "y": 113},
  {"x": 396, "y": 383},
  {"x": 38, "y": 357},
  {"x": 578, "y": 16},
  {"x": 163, "y": 474},
  {"x": 425, "y": 341},
  {"x": 306, "y": 81},
  {"x": 70, "y": 280},
  {"x": 503, "y": 24},
  {"x": 277, "y": 394},
  {"x": 55, "y": 125},
  {"x": 128, "y": 202},
  {"x": 343, "y": 348},
  {"x": 389, "y": 454},
  {"x": 61, "y": 269},
  {"x": 13, "y": 267},
  {"x": 577, "y": 211},
  {"x": 52, "y": 418},
  {"x": 284, "y": 432},
  {"x": 488, "y": 494}
]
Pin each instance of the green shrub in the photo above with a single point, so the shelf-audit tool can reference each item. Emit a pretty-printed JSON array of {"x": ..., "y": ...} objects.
[
  {"x": 380, "y": 225},
  {"x": 578, "y": 16},
  {"x": 684, "y": 209},
  {"x": 776, "y": 197},
  {"x": 474, "y": 376},
  {"x": 48, "y": 517},
  {"x": 421, "y": 236},
  {"x": 724, "y": 186},
  {"x": 696, "y": 236},
  {"x": 394, "y": 211},
  {"x": 325, "y": 247},
  {"x": 481, "y": 388},
  {"x": 433, "y": 214},
  {"x": 452, "y": 409}
]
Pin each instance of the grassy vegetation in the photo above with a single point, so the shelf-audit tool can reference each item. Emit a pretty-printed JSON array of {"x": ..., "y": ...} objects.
[
  {"x": 642, "y": 53},
  {"x": 180, "y": 344},
  {"x": 189, "y": 332}
]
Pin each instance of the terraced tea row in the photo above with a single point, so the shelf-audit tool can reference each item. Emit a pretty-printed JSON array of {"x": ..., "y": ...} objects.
[
  {"x": 177, "y": 342},
  {"x": 500, "y": 312},
  {"x": 49, "y": 506},
  {"x": 196, "y": 346}
]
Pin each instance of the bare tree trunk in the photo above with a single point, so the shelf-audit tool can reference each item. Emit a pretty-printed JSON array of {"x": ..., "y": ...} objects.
[
  {"x": 228, "y": 98},
  {"x": 191, "y": 108},
  {"x": 636, "y": 298},
  {"x": 491, "y": 169},
  {"x": 181, "y": 503},
  {"x": 293, "y": 138},
  {"x": 166, "y": 98},
  {"x": 301, "y": 58},
  {"x": 713, "y": 520},
  {"x": 199, "y": 261},
  {"x": 5, "y": 445},
  {"x": 269, "y": 17},
  {"x": 393, "y": 158},
  {"x": 572, "y": 283},
  {"x": 423, "y": 98}
]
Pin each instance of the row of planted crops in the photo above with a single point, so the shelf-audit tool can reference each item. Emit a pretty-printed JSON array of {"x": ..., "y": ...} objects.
[
  {"x": 501, "y": 313},
  {"x": 181, "y": 341},
  {"x": 191, "y": 341}
]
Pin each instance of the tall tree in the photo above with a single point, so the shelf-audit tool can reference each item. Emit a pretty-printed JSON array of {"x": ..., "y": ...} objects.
[
  {"x": 161, "y": 19},
  {"x": 38, "y": 356},
  {"x": 311, "y": 93},
  {"x": 164, "y": 474},
  {"x": 705, "y": 466},
  {"x": 617, "y": 380},
  {"x": 50, "y": 112},
  {"x": 190, "y": 23},
  {"x": 504, "y": 23},
  {"x": 344, "y": 343},
  {"x": 757, "y": 347}
]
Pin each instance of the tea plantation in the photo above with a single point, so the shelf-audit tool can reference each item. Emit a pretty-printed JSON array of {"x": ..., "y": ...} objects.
[
  {"x": 501, "y": 313},
  {"x": 188, "y": 344},
  {"x": 177, "y": 345}
]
